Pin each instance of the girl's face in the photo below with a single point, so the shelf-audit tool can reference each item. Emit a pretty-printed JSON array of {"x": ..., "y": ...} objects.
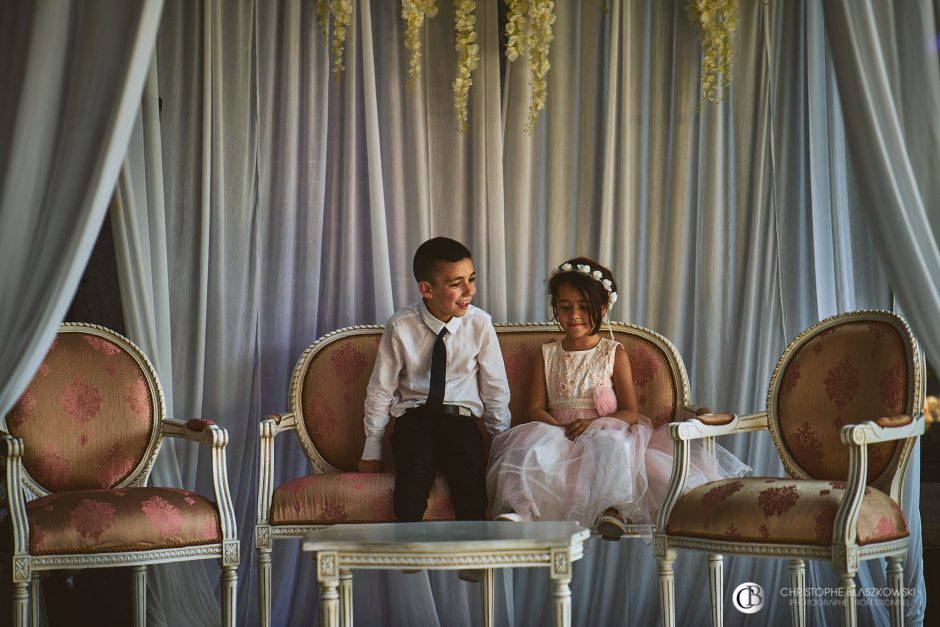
[{"x": 573, "y": 313}]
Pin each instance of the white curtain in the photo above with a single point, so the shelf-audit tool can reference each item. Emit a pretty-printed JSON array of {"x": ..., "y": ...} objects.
[
  {"x": 292, "y": 203},
  {"x": 71, "y": 80}
]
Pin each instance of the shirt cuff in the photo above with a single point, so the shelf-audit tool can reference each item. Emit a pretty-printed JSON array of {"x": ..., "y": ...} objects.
[{"x": 372, "y": 449}]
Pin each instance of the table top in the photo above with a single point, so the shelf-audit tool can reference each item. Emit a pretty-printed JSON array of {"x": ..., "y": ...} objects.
[{"x": 446, "y": 536}]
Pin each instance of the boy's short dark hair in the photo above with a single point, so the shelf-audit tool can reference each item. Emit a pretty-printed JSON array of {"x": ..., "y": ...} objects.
[{"x": 430, "y": 254}]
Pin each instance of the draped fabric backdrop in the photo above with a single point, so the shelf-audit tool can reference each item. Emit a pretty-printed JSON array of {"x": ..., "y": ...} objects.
[{"x": 265, "y": 203}]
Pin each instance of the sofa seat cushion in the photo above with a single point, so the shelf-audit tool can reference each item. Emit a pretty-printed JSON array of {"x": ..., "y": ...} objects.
[
  {"x": 125, "y": 519},
  {"x": 781, "y": 511},
  {"x": 348, "y": 497}
]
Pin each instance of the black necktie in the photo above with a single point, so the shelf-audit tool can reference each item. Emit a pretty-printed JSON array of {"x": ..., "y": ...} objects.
[{"x": 438, "y": 371}]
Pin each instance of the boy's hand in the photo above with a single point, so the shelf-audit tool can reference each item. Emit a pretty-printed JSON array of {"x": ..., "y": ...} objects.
[{"x": 370, "y": 465}]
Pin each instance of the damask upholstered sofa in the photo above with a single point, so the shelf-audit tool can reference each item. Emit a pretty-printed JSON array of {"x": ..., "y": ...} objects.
[{"x": 325, "y": 414}]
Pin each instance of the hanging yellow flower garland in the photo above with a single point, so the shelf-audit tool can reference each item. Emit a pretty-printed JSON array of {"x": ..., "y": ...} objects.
[
  {"x": 717, "y": 20},
  {"x": 414, "y": 12},
  {"x": 468, "y": 56},
  {"x": 528, "y": 32}
]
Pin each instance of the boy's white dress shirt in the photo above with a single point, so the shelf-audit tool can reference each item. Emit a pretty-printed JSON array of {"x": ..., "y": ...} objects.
[{"x": 476, "y": 375}]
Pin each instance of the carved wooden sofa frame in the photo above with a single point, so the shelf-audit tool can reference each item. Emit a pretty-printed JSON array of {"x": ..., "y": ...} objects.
[{"x": 326, "y": 397}]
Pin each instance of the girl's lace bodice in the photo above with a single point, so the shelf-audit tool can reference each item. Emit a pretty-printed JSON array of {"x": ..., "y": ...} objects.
[{"x": 572, "y": 378}]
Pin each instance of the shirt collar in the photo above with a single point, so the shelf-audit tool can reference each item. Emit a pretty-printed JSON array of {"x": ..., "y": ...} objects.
[{"x": 436, "y": 324}]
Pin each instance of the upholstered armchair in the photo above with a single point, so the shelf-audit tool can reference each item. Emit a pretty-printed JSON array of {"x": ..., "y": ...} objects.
[
  {"x": 844, "y": 411},
  {"x": 78, "y": 448}
]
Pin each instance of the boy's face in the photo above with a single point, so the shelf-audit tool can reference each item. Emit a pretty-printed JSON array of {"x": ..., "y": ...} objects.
[{"x": 452, "y": 289}]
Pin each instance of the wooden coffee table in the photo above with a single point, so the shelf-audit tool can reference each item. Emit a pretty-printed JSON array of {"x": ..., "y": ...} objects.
[{"x": 448, "y": 545}]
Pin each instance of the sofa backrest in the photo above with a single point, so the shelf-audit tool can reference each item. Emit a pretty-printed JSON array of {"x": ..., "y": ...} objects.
[{"x": 328, "y": 386}]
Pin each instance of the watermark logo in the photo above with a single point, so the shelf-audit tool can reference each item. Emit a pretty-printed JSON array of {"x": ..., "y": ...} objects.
[{"x": 748, "y": 598}]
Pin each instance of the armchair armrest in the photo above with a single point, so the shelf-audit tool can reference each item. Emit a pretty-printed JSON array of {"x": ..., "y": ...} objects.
[
  {"x": 207, "y": 432},
  {"x": 11, "y": 448},
  {"x": 884, "y": 429},
  {"x": 711, "y": 425},
  {"x": 269, "y": 428},
  {"x": 858, "y": 437}
]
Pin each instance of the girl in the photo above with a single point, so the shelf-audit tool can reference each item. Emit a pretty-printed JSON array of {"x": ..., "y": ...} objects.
[{"x": 585, "y": 454}]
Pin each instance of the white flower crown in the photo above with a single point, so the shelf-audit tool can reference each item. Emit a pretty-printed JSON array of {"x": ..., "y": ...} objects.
[{"x": 597, "y": 275}]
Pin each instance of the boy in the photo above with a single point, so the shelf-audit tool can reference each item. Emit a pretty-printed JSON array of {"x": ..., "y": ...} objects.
[{"x": 438, "y": 366}]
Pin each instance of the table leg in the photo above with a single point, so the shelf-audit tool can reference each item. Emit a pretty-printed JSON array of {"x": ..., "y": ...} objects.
[
  {"x": 327, "y": 577},
  {"x": 561, "y": 601},
  {"x": 346, "y": 596},
  {"x": 561, "y": 593},
  {"x": 487, "y": 592}
]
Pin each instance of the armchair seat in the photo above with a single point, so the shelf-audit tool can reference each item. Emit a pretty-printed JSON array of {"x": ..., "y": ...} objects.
[
  {"x": 781, "y": 511},
  {"x": 351, "y": 497},
  {"x": 110, "y": 521}
]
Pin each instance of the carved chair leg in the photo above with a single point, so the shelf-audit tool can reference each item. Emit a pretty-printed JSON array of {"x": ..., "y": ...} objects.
[
  {"x": 849, "y": 616},
  {"x": 35, "y": 605},
  {"x": 797, "y": 584},
  {"x": 229, "y": 588},
  {"x": 264, "y": 585},
  {"x": 20, "y": 603},
  {"x": 329, "y": 603},
  {"x": 716, "y": 581},
  {"x": 139, "y": 590},
  {"x": 561, "y": 601},
  {"x": 896, "y": 583},
  {"x": 667, "y": 591}
]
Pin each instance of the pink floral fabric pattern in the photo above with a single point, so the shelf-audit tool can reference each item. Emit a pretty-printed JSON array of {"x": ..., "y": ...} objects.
[
  {"x": 790, "y": 379},
  {"x": 21, "y": 412},
  {"x": 163, "y": 516},
  {"x": 892, "y": 388},
  {"x": 720, "y": 492},
  {"x": 114, "y": 466},
  {"x": 92, "y": 517},
  {"x": 781, "y": 511},
  {"x": 643, "y": 365},
  {"x": 348, "y": 363},
  {"x": 326, "y": 499},
  {"x": 519, "y": 365},
  {"x": 103, "y": 346},
  {"x": 138, "y": 399},
  {"x": 321, "y": 418},
  {"x": 842, "y": 382},
  {"x": 53, "y": 467},
  {"x": 120, "y": 520},
  {"x": 81, "y": 401},
  {"x": 776, "y": 501}
]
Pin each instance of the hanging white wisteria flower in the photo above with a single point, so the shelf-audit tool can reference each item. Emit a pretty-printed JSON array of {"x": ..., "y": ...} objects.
[
  {"x": 323, "y": 17},
  {"x": 717, "y": 20},
  {"x": 468, "y": 56},
  {"x": 515, "y": 29},
  {"x": 529, "y": 32},
  {"x": 341, "y": 10},
  {"x": 414, "y": 13},
  {"x": 541, "y": 18}
]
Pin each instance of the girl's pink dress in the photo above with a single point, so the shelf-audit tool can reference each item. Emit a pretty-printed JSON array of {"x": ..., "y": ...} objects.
[{"x": 540, "y": 474}]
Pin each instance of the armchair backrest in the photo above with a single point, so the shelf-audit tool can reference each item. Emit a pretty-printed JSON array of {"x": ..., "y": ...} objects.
[
  {"x": 91, "y": 417},
  {"x": 328, "y": 387},
  {"x": 846, "y": 369}
]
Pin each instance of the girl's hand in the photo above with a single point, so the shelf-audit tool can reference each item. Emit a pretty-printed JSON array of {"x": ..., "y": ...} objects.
[{"x": 576, "y": 428}]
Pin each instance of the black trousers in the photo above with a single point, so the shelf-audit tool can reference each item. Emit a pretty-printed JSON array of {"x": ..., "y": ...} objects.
[{"x": 426, "y": 442}]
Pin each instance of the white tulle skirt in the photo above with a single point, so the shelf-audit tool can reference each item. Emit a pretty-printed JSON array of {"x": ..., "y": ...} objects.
[{"x": 538, "y": 473}]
